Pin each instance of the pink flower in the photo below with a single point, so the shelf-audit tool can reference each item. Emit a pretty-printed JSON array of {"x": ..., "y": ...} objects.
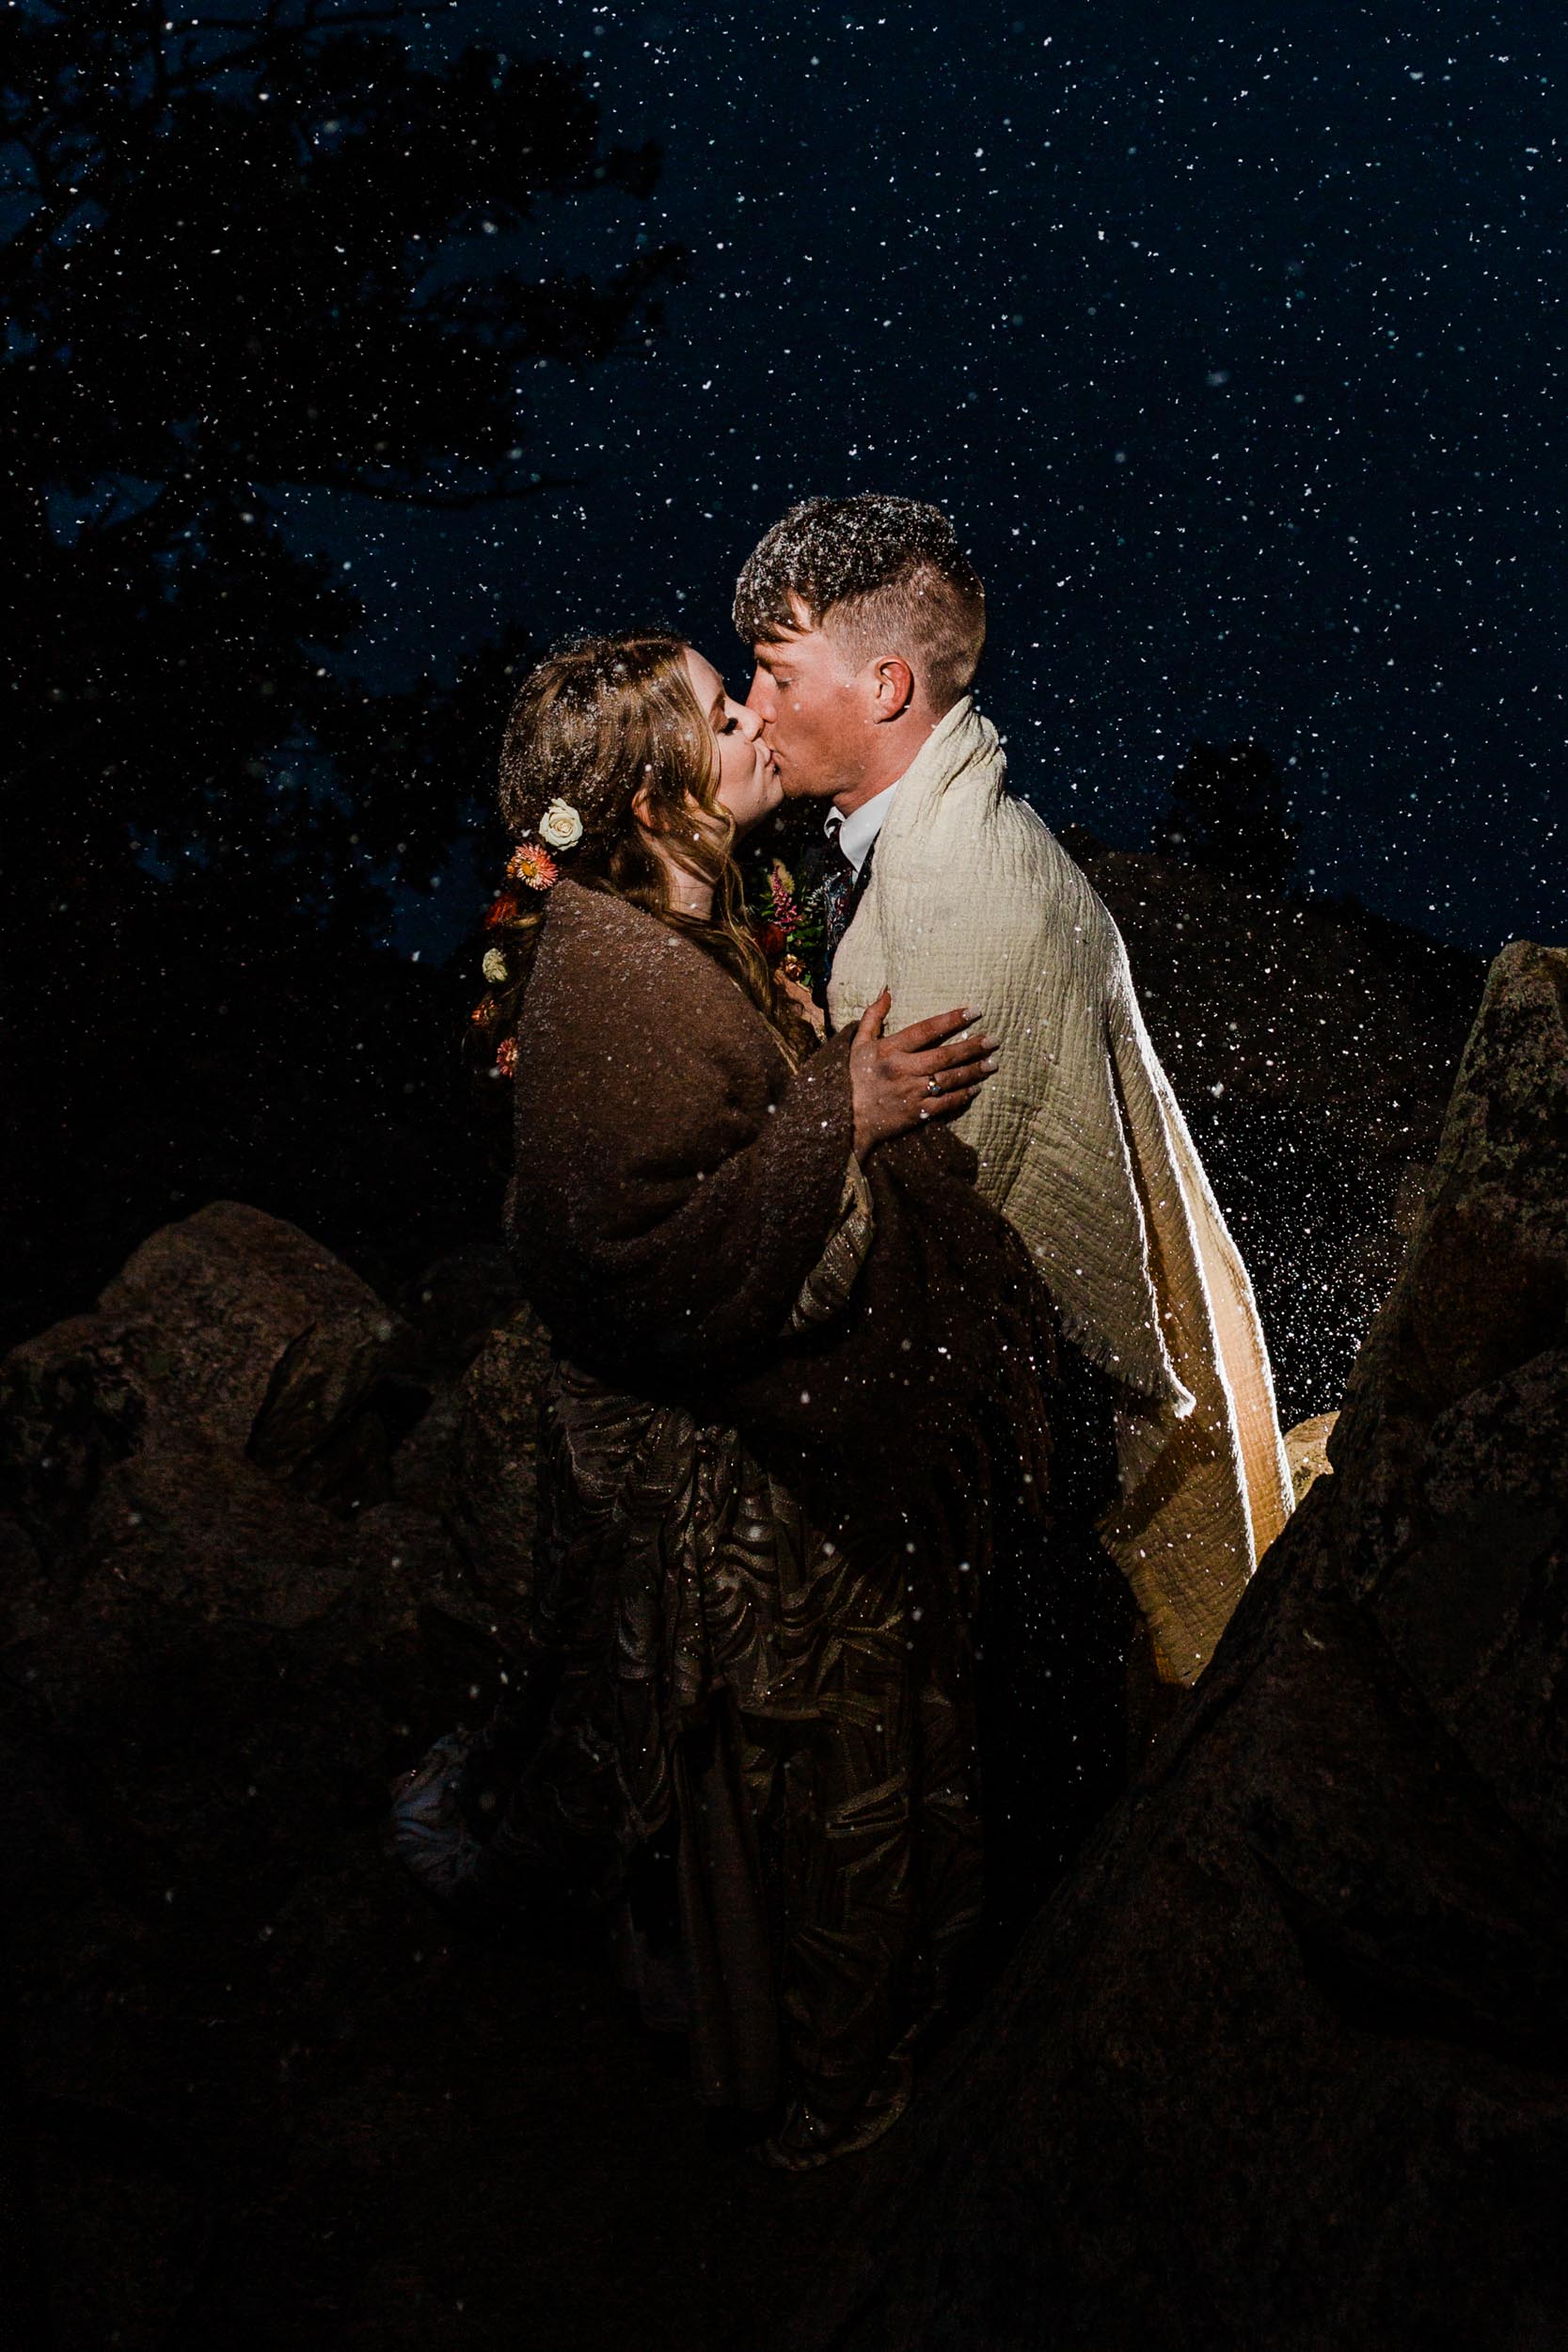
[
  {"x": 781, "y": 884},
  {"x": 533, "y": 865}
]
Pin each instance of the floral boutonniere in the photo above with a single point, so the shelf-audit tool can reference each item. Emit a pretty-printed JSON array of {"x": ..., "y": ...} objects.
[{"x": 787, "y": 922}]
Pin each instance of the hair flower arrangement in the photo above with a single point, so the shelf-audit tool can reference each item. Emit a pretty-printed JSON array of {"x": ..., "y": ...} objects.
[
  {"x": 535, "y": 866},
  {"x": 493, "y": 966},
  {"x": 561, "y": 826}
]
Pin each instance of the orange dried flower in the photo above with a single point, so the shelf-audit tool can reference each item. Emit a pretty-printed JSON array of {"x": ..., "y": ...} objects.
[
  {"x": 506, "y": 1056},
  {"x": 533, "y": 865},
  {"x": 504, "y": 908}
]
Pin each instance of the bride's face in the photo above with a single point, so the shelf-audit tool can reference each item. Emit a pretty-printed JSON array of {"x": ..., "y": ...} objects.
[{"x": 748, "y": 786}]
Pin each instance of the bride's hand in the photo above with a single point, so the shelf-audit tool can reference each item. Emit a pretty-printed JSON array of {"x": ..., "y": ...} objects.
[
  {"x": 803, "y": 1002},
  {"x": 932, "y": 1070}
]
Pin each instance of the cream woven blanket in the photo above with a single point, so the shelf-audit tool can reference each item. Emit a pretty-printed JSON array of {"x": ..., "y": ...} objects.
[{"x": 1080, "y": 1143}]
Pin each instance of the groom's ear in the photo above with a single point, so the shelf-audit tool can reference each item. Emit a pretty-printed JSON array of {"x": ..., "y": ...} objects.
[{"x": 892, "y": 686}]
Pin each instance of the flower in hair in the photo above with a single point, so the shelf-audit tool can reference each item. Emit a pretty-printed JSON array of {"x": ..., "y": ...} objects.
[
  {"x": 503, "y": 908},
  {"x": 561, "y": 825},
  {"x": 533, "y": 865},
  {"x": 506, "y": 1056},
  {"x": 493, "y": 966}
]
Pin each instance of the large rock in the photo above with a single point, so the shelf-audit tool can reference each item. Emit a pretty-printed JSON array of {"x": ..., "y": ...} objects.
[
  {"x": 1286, "y": 2062},
  {"x": 231, "y": 1336},
  {"x": 224, "y": 1626},
  {"x": 1307, "y": 1453},
  {"x": 202, "y": 1541},
  {"x": 254, "y": 2091}
]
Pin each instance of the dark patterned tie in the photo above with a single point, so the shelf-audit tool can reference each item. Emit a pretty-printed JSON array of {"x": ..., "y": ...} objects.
[{"x": 842, "y": 892}]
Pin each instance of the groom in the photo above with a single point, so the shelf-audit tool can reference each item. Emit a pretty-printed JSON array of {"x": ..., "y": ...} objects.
[{"x": 866, "y": 622}]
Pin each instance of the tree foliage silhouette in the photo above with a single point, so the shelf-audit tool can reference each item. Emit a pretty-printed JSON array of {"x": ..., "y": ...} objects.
[
  {"x": 1228, "y": 814},
  {"x": 250, "y": 259},
  {"x": 264, "y": 274}
]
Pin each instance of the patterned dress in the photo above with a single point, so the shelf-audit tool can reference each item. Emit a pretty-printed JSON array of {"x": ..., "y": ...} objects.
[
  {"x": 762, "y": 1740},
  {"x": 799, "y": 1413}
]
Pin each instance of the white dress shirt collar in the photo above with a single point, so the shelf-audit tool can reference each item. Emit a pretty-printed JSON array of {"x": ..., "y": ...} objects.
[{"x": 859, "y": 829}]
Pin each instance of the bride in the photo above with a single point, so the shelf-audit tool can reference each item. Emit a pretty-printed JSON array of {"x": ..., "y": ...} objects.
[{"x": 797, "y": 1412}]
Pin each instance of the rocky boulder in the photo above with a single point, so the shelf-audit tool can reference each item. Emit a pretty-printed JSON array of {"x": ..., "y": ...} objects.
[
  {"x": 254, "y": 2089},
  {"x": 223, "y": 1630},
  {"x": 1307, "y": 1453},
  {"x": 1285, "y": 2061},
  {"x": 208, "y": 1461},
  {"x": 231, "y": 1337}
]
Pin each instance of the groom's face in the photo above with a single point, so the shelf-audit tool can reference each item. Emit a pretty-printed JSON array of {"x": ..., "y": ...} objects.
[{"x": 812, "y": 711}]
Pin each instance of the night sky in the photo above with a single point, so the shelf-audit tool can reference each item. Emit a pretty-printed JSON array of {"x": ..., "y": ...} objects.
[{"x": 1228, "y": 338}]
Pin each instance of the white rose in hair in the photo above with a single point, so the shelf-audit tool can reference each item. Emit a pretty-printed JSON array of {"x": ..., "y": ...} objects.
[
  {"x": 493, "y": 966},
  {"x": 561, "y": 826}
]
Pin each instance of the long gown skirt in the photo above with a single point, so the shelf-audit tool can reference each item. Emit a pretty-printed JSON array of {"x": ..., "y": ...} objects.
[{"x": 760, "y": 1742}]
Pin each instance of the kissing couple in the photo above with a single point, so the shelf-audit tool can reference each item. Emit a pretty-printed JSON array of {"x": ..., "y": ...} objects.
[{"x": 876, "y": 1353}]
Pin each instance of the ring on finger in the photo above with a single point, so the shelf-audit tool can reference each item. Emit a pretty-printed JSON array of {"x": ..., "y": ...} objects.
[{"x": 932, "y": 1086}]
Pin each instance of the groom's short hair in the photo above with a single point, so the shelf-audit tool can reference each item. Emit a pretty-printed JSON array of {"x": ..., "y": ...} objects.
[{"x": 881, "y": 575}]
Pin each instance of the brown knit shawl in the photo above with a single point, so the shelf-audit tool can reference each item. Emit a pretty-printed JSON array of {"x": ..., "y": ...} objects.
[{"x": 676, "y": 1182}]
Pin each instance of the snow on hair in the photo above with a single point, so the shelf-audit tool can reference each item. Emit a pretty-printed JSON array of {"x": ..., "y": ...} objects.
[{"x": 883, "y": 574}]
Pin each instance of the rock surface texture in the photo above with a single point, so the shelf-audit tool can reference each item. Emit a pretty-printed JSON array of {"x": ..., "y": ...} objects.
[
  {"x": 1285, "y": 2063},
  {"x": 259, "y": 1538},
  {"x": 1306, "y": 1451}
]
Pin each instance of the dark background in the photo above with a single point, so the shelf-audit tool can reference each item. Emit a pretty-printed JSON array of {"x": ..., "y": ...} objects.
[
  {"x": 1228, "y": 336},
  {"x": 355, "y": 353}
]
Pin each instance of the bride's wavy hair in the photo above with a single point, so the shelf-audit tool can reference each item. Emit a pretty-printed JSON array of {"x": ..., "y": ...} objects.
[{"x": 599, "y": 723}]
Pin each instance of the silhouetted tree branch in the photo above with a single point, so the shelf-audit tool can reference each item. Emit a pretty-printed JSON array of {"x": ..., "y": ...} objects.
[
  {"x": 233, "y": 272},
  {"x": 255, "y": 255}
]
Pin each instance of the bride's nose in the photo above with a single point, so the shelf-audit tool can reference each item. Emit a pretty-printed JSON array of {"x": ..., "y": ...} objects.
[{"x": 751, "y": 726}]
